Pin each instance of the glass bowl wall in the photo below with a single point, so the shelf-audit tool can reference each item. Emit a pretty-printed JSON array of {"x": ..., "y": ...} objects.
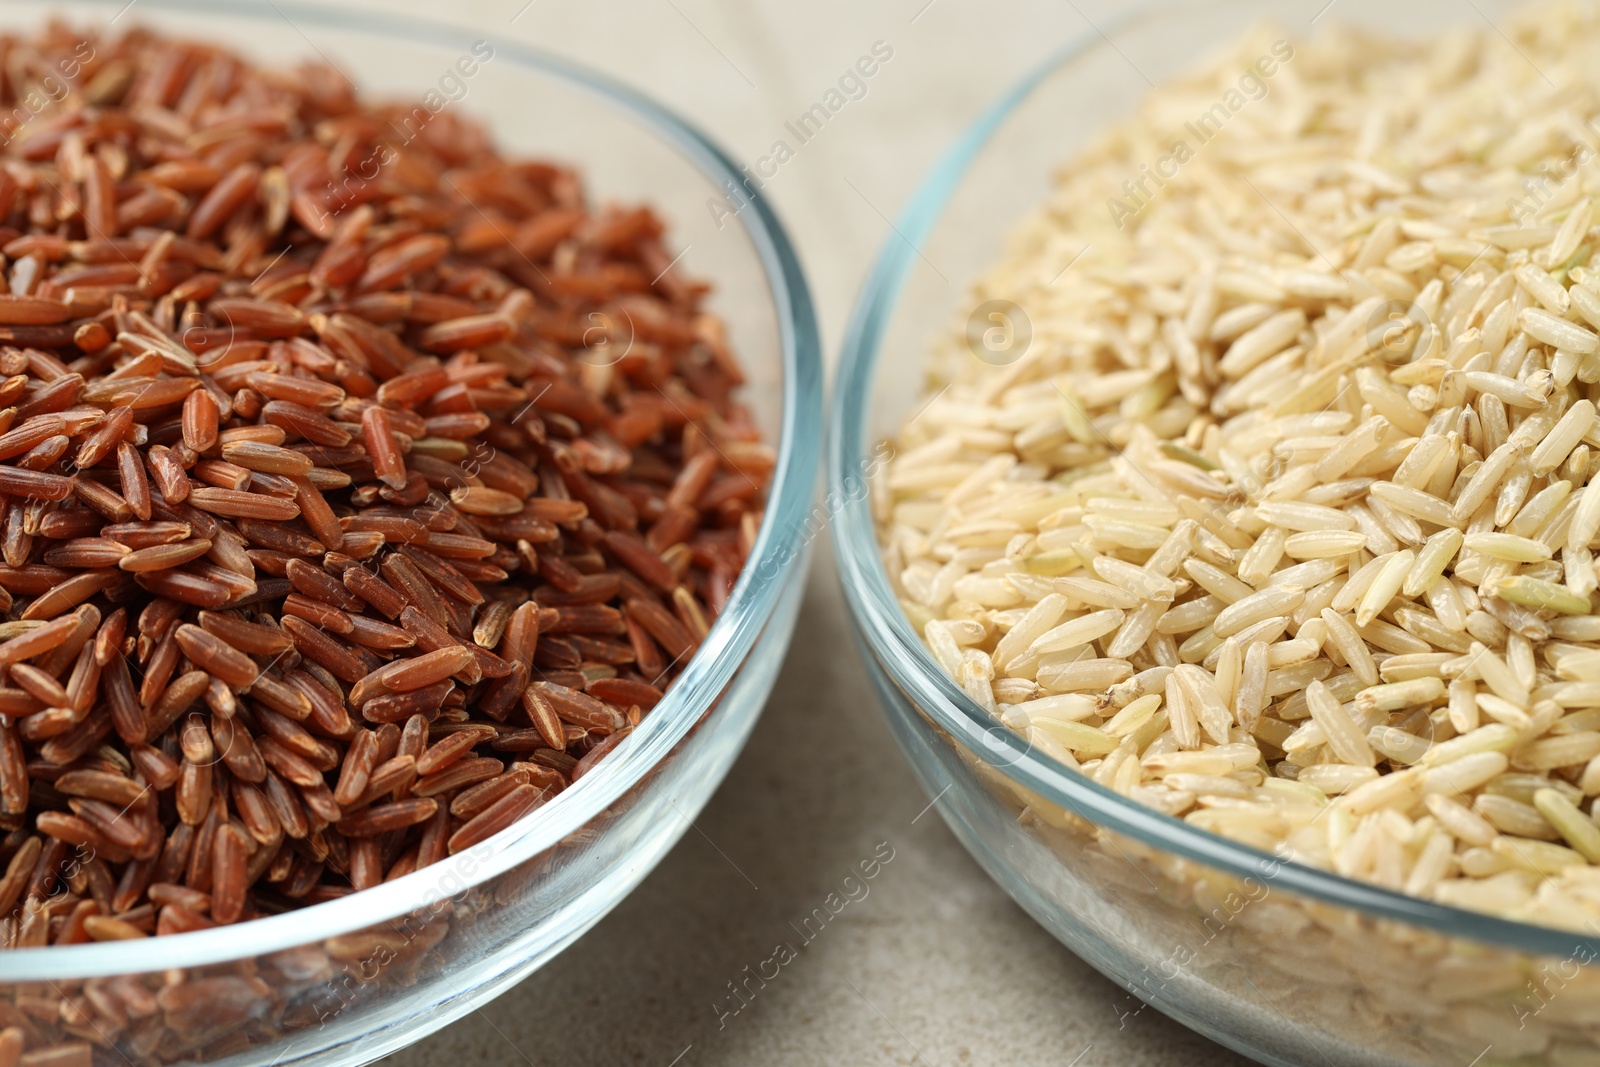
[
  {"x": 348, "y": 981},
  {"x": 1281, "y": 962}
]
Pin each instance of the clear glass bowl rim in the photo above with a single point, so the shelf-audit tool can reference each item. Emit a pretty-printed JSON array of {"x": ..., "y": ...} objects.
[
  {"x": 732, "y": 636},
  {"x": 888, "y": 635}
]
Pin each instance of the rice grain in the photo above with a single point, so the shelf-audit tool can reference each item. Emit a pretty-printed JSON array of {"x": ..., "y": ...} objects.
[{"x": 1228, "y": 506}]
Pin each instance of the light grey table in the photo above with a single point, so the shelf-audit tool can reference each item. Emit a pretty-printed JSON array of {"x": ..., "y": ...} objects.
[{"x": 935, "y": 965}]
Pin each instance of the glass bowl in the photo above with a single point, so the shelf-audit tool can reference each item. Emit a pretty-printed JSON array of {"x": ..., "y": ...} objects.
[
  {"x": 1282, "y": 962},
  {"x": 348, "y": 981}
]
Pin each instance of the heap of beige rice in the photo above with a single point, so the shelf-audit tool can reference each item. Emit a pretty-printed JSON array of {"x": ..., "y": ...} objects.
[{"x": 1283, "y": 523}]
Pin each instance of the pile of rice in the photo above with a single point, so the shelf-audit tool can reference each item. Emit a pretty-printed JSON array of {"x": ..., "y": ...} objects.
[{"x": 1283, "y": 522}]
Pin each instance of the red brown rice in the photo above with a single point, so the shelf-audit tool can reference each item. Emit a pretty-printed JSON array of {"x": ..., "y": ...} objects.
[{"x": 326, "y": 550}]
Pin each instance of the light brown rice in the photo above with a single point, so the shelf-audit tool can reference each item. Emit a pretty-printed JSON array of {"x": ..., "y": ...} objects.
[{"x": 1299, "y": 478}]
